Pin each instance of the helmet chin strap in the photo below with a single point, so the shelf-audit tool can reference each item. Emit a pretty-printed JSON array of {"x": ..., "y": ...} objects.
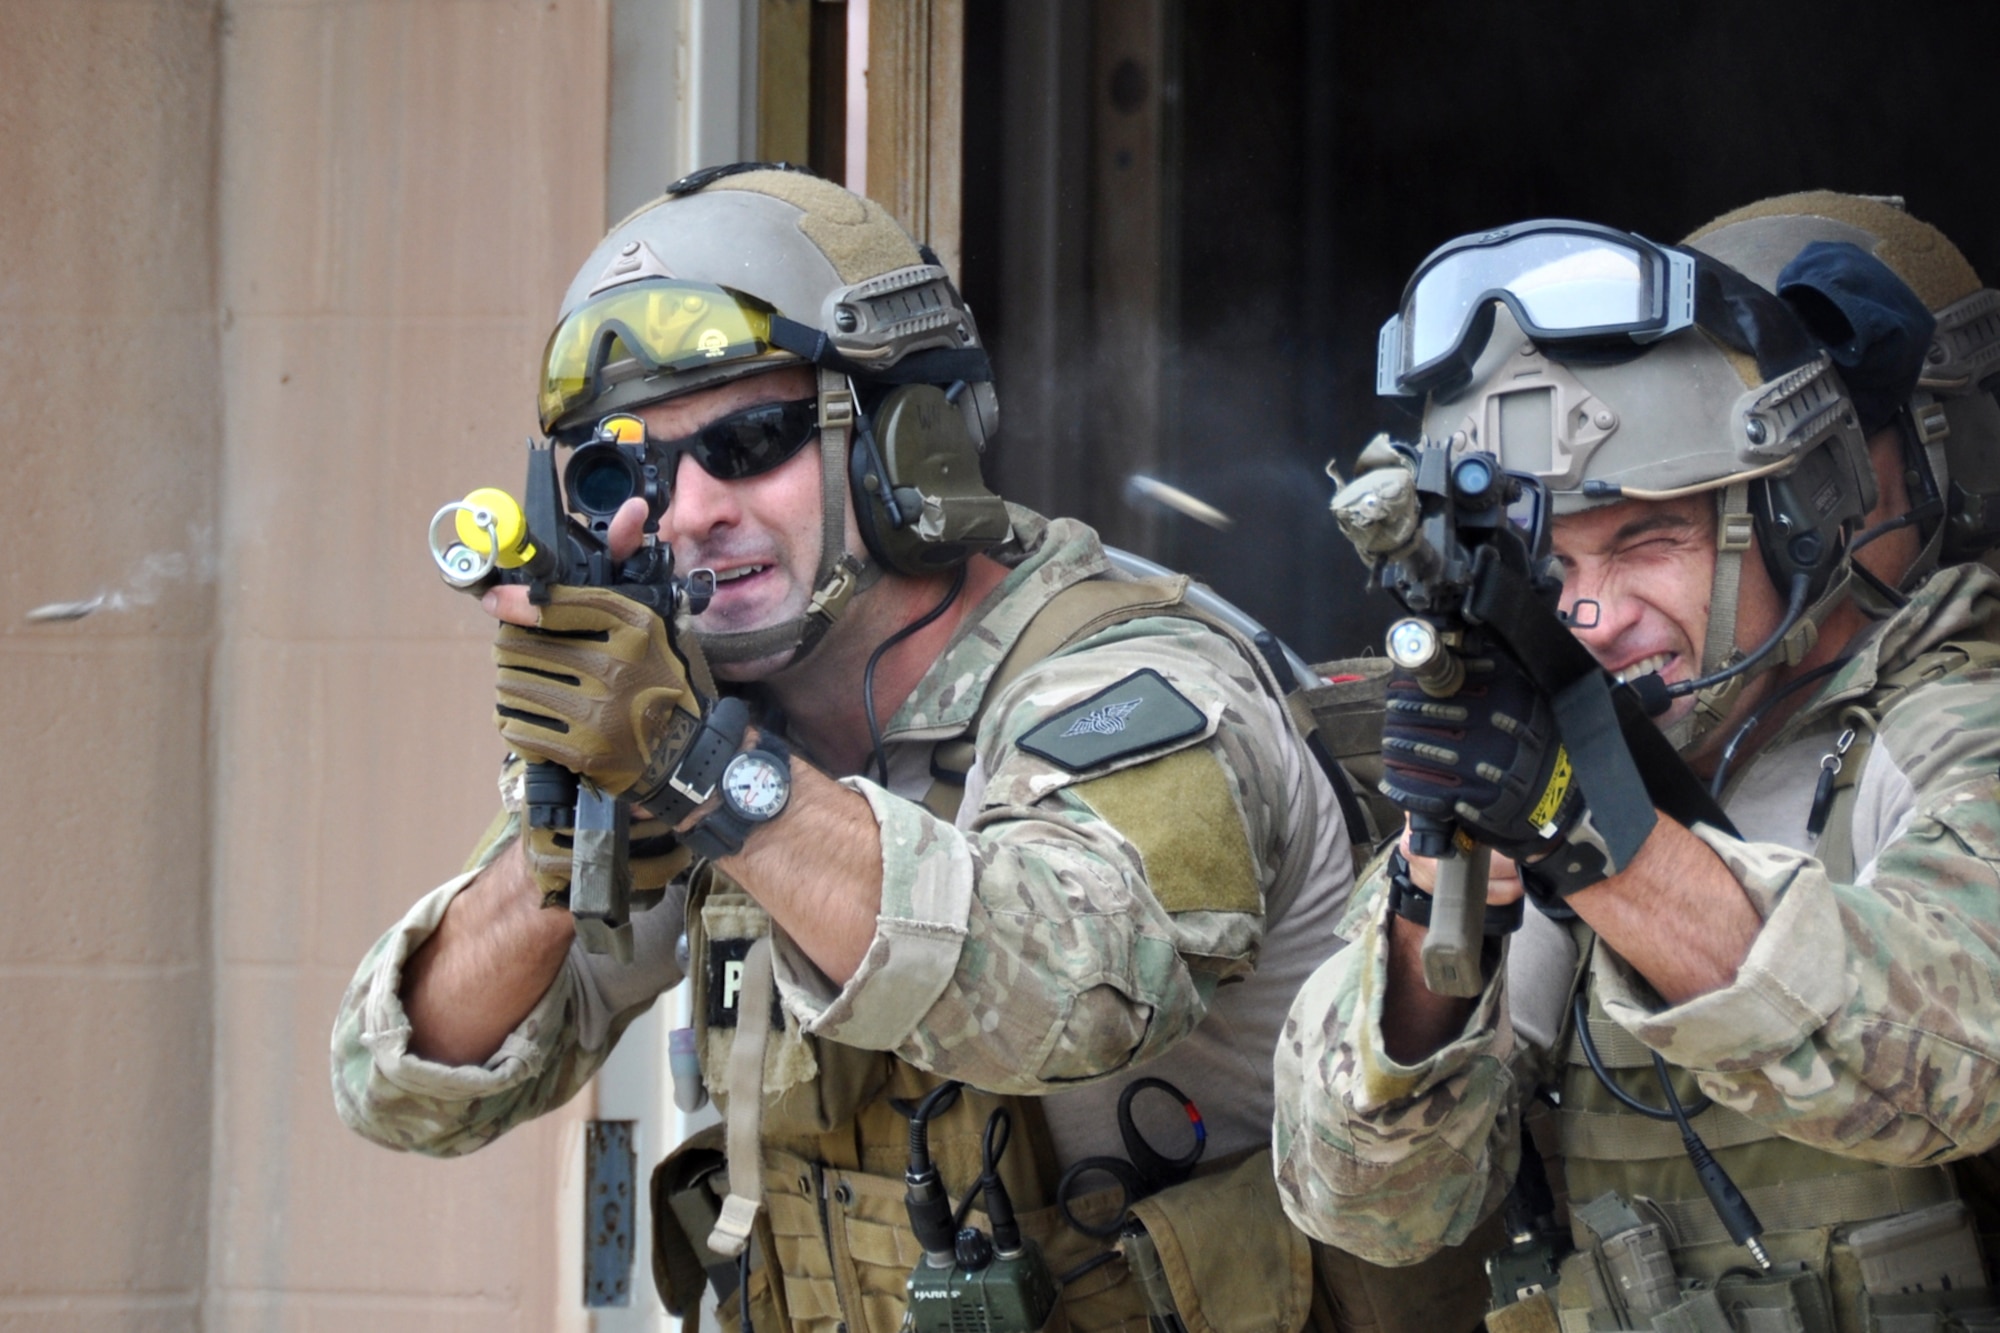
[
  {"x": 1734, "y": 536},
  {"x": 841, "y": 574}
]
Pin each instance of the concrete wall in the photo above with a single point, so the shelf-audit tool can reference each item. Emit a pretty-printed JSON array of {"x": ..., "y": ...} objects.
[
  {"x": 108, "y": 385},
  {"x": 273, "y": 283}
]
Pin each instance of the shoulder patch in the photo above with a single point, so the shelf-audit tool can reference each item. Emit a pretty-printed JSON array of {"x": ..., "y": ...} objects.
[{"x": 1139, "y": 713}]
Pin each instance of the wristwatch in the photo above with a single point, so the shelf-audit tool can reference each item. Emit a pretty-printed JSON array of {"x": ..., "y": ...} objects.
[
  {"x": 755, "y": 788},
  {"x": 694, "y": 779}
]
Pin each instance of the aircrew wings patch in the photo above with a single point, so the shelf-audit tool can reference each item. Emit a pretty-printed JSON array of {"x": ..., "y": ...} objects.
[{"x": 1141, "y": 712}]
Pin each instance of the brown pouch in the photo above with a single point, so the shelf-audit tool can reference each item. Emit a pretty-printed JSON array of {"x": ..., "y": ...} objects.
[
  {"x": 1233, "y": 1260},
  {"x": 684, "y": 1210},
  {"x": 685, "y": 1205},
  {"x": 1446, "y": 1293}
]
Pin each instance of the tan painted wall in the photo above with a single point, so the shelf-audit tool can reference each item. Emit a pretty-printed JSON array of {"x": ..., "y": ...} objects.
[
  {"x": 108, "y": 379},
  {"x": 273, "y": 280}
]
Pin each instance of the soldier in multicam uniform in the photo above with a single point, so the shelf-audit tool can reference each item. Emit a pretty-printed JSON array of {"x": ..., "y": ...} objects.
[
  {"x": 1005, "y": 815},
  {"x": 1828, "y": 974}
]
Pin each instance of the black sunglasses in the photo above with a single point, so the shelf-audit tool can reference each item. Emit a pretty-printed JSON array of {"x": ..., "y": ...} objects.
[{"x": 743, "y": 444}]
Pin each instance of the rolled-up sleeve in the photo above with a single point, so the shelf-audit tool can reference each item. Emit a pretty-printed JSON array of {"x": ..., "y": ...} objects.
[
  {"x": 1026, "y": 946},
  {"x": 397, "y": 1099},
  {"x": 1866, "y": 1018},
  {"x": 1388, "y": 1161}
]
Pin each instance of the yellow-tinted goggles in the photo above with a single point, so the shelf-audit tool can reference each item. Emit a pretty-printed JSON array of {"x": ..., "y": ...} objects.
[{"x": 665, "y": 324}]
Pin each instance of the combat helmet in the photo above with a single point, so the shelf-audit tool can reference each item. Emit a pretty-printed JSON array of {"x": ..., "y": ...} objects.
[
  {"x": 740, "y": 269},
  {"x": 1613, "y": 368},
  {"x": 1951, "y": 423}
]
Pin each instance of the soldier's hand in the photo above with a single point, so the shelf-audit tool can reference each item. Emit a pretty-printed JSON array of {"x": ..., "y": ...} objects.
[
  {"x": 1487, "y": 756},
  {"x": 656, "y": 856},
  {"x": 1503, "y": 875},
  {"x": 598, "y": 686}
]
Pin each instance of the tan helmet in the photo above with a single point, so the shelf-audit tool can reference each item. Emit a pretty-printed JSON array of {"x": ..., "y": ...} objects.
[
  {"x": 1738, "y": 400},
  {"x": 740, "y": 269},
  {"x": 1953, "y": 422}
]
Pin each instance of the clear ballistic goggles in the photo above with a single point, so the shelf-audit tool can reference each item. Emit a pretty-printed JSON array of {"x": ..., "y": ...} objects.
[
  {"x": 1566, "y": 282},
  {"x": 664, "y": 324}
]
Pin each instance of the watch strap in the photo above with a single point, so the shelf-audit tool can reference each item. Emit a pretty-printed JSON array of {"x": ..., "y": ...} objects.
[
  {"x": 1413, "y": 904},
  {"x": 694, "y": 779},
  {"x": 723, "y": 831}
]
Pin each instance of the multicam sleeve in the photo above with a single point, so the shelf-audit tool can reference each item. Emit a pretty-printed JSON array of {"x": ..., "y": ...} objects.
[
  {"x": 1866, "y": 1018},
  {"x": 399, "y": 1100},
  {"x": 1391, "y": 1162},
  {"x": 1036, "y": 943}
]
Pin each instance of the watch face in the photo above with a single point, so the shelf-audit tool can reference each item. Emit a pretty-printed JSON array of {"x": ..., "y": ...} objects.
[{"x": 756, "y": 785}]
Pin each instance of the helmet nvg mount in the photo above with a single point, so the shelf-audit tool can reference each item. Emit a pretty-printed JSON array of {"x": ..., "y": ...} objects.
[
  {"x": 1952, "y": 426},
  {"x": 1739, "y": 402},
  {"x": 742, "y": 269}
]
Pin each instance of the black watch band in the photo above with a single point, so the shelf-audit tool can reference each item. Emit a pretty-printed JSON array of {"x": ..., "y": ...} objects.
[
  {"x": 693, "y": 780},
  {"x": 723, "y": 830},
  {"x": 1411, "y": 903},
  {"x": 1568, "y": 869}
]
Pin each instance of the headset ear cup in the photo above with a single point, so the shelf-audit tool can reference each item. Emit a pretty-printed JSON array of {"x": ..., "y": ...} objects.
[
  {"x": 914, "y": 462},
  {"x": 866, "y": 484}
]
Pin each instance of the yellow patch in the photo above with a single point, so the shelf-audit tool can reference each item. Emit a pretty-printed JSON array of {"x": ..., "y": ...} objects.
[
  {"x": 1178, "y": 811},
  {"x": 1552, "y": 798}
]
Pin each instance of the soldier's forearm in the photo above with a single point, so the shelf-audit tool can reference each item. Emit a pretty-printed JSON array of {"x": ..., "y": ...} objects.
[
  {"x": 817, "y": 869},
  {"x": 492, "y": 958},
  {"x": 1416, "y": 1021},
  {"x": 1675, "y": 914}
]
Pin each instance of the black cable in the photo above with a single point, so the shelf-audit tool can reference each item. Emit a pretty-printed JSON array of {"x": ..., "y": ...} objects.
[
  {"x": 743, "y": 1289},
  {"x": 1882, "y": 589},
  {"x": 1672, "y": 1111},
  {"x": 1731, "y": 1208},
  {"x": 1738, "y": 1218},
  {"x": 1795, "y": 608},
  {"x": 993, "y": 1142},
  {"x": 924, "y": 1195},
  {"x": 868, "y": 672},
  {"x": 1758, "y": 714},
  {"x": 1090, "y": 1265},
  {"x": 1889, "y": 525}
]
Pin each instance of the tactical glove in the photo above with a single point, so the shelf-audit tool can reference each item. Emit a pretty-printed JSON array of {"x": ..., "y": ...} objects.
[
  {"x": 1486, "y": 756},
  {"x": 600, "y": 688}
]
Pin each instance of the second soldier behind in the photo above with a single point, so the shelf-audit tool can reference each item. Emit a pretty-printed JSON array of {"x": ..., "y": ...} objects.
[{"x": 1828, "y": 974}]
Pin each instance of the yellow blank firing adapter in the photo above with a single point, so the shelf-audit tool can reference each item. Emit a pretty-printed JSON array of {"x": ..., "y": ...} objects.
[{"x": 491, "y": 532}]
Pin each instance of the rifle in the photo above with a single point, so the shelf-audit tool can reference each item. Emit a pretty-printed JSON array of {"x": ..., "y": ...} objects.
[
  {"x": 495, "y": 540},
  {"x": 1428, "y": 519}
]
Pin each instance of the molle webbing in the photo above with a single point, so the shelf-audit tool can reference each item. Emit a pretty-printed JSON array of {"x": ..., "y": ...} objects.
[
  {"x": 1802, "y": 1205},
  {"x": 1792, "y": 1186}
]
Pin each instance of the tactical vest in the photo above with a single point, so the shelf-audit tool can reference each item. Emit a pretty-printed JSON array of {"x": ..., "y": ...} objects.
[
  {"x": 1856, "y": 1247},
  {"x": 833, "y": 1148}
]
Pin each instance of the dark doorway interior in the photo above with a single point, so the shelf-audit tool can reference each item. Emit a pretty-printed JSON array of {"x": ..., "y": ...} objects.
[{"x": 1314, "y": 152}]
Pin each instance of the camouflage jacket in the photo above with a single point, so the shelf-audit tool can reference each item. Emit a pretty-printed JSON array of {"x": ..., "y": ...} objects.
[
  {"x": 1100, "y": 944},
  {"x": 1865, "y": 1020}
]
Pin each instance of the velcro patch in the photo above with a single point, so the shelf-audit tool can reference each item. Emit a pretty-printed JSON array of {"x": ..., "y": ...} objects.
[
  {"x": 1178, "y": 813},
  {"x": 725, "y": 984},
  {"x": 1139, "y": 713}
]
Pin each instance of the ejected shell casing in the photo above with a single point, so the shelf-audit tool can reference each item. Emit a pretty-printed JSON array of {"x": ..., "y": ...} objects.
[{"x": 1416, "y": 646}]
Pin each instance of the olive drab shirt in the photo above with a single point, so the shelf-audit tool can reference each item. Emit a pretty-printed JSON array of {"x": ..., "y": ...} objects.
[
  {"x": 1865, "y": 1020},
  {"x": 1093, "y": 906}
]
